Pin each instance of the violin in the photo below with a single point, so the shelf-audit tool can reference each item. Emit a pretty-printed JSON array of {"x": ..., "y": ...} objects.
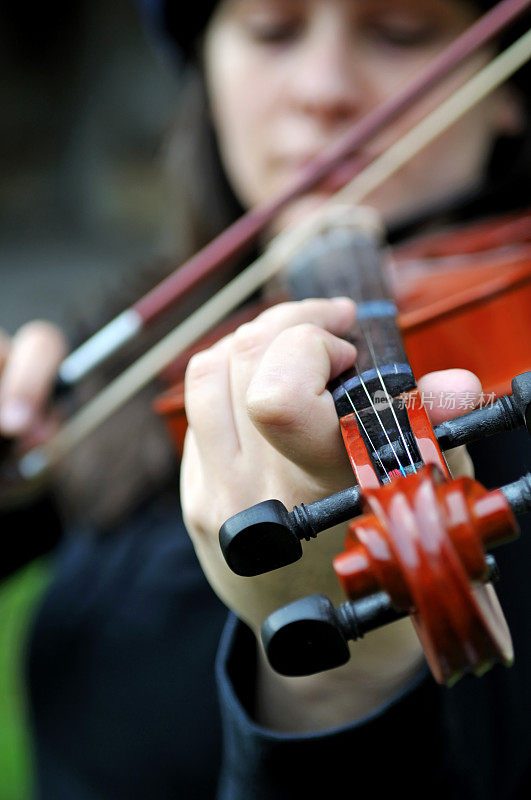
[
  {"x": 418, "y": 540},
  {"x": 420, "y": 532}
]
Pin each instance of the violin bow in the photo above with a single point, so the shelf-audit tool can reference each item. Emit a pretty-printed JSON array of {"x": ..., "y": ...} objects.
[{"x": 34, "y": 463}]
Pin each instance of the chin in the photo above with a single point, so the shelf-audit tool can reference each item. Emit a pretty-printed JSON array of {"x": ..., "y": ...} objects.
[
  {"x": 299, "y": 210},
  {"x": 395, "y": 203}
]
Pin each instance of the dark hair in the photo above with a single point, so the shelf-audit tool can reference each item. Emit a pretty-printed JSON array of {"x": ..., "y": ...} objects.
[{"x": 202, "y": 202}]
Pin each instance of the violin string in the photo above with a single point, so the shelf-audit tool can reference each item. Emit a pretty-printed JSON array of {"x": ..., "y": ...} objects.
[
  {"x": 377, "y": 415},
  {"x": 389, "y": 399},
  {"x": 366, "y": 432}
]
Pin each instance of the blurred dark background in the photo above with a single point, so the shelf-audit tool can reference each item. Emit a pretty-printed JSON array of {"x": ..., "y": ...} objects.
[{"x": 85, "y": 102}]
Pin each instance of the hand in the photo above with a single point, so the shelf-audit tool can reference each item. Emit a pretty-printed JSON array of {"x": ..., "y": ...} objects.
[
  {"x": 262, "y": 425},
  {"x": 28, "y": 367}
]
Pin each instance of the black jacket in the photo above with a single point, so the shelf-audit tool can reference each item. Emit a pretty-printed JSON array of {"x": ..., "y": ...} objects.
[{"x": 123, "y": 695}]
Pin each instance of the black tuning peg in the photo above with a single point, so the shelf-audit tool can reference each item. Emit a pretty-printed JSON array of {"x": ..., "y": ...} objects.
[
  {"x": 518, "y": 494},
  {"x": 268, "y": 536},
  {"x": 305, "y": 637},
  {"x": 259, "y": 539},
  {"x": 506, "y": 414},
  {"x": 310, "y": 635}
]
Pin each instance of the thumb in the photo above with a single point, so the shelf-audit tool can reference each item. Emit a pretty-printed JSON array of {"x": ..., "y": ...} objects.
[{"x": 449, "y": 393}]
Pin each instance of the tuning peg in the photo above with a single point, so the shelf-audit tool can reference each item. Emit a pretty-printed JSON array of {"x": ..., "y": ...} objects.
[
  {"x": 268, "y": 536},
  {"x": 518, "y": 494},
  {"x": 506, "y": 414},
  {"x": 310, "y": 635},
  {"x": 305, "y": 637},
  {"x": 259, "y": 539}
]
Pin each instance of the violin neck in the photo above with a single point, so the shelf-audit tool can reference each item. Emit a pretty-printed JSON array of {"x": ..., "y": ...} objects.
[{"x": 348, "y": 259}]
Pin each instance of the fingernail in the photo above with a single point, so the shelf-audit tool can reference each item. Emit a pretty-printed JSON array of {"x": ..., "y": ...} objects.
[
  {"x": 345, "y": 305},
  {"x": 345, "y": 311},
  {"x": 15, "y": 416}
]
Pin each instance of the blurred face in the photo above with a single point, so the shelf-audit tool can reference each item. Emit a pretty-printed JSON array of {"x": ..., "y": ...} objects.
[{"x": 287, "y": 77}]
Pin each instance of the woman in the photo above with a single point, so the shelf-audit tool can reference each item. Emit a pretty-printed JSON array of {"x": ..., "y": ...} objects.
[{"x": 121, "y": 690}]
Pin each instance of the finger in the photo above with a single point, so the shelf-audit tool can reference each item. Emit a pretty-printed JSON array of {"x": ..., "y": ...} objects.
[
  {"x": 335, "y": 314},
  {"x": 208, "y": 402},
  {"x": 449, "y": 393},
  {"x": 215, "y": 389},
  {"x": 287, "y": 399},
  {"x": 29, "y": 373},
  {"x": 251, "y": 341}
]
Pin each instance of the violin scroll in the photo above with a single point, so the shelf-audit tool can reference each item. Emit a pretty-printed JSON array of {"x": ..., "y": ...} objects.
[{"x": 416, "y": 541}]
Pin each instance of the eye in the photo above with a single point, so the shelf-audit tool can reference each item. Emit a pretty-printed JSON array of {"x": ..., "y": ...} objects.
[
  {"x": 404, "y": 36},
  {"x": 273, "y": 31}
]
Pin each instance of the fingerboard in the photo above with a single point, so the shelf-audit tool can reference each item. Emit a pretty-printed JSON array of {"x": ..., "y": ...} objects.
[{"x": 349, "y": 261}]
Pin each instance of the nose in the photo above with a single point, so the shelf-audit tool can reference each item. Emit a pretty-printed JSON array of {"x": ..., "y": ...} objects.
[{"x": 327, "y": 80}]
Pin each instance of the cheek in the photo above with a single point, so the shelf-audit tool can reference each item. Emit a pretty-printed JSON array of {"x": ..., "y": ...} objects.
[
  {"x": 461, "y": 153},
  {"x": 243, "y": 103},
  {"x": 458, "y": 157},
  {"x": 452, "y": 163}
]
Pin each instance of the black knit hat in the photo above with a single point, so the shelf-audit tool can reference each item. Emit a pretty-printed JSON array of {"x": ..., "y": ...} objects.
[
  {"x": 175, "y": 25},
  {"x": 179, "y": 30},
  {"x": 183, "y": 26}
]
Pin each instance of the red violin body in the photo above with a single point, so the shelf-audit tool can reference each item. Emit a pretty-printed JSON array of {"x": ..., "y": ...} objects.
[{"x": 464, "y": 300}]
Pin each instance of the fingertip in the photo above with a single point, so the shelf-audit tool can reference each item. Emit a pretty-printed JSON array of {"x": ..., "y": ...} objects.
[
  {"x": 345, "y": 305},
  {"x": 16, "y": 417},
  {"x": 467, "y": 380},
  {"x": 342, "y": 357},
  {"x": 451, "y": 380},
  {"x": 449, "y": 393}
]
